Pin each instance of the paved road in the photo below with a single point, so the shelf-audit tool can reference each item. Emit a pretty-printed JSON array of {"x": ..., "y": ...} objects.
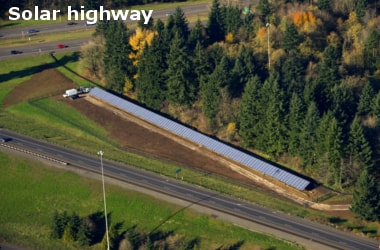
[{"x": 315, "y": 232}]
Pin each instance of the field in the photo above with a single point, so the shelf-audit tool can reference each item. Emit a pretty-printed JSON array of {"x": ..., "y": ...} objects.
[{"x": 41, "y": 190}]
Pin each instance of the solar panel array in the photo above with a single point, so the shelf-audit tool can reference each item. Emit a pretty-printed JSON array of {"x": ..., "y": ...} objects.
[{"x": 201, "y": 139}]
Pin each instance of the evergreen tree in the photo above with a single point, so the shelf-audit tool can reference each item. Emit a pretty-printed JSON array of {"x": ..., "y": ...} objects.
[
  {"x": 151, "y": 81},
  {"x": 56, "y": 226},
  {"x": 372, "y": 50},
  {"x": 335, "y": 152},
  {"x": 308, "y": 135},
  {"x": 83, "y": 234},
  {"x": 264, "y": 8},
  {"x": 249, "y": 112},
  {"x": 360, "y": 8},
  {"x": 196, "y": 36},
  {"x": 323, "y": 4},
  {"x": 272, "y": 140},
  {"x": 376, "y": 107},
  {"x": 292, "y": 74},
  {"x": 149, "y": 244},
  {"x": 359, "y": 150},
  {"x": 366, "y": 198},
  {"x": 200, "y": 64},
  {"x": 295, "y": 118},
  {"x": 211, "y": 86},
  {"x": 328, "y": 77},
  {"x": 292, "y": 38},
  {"x": 244, "y": 69},
  {"x": 117, "y": 64},
  {"x": 180, "y": 84},
  {"x": 366, "y": 99},
  {"x": 215, "y": 24},
  {"x": 232, "y": 18},
  {"x": 180, "y": 24},
  {"x": 342, "y": 105}
]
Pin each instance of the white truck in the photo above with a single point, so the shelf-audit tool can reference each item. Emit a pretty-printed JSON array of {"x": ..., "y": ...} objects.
[{"x": 73, "y": 93}]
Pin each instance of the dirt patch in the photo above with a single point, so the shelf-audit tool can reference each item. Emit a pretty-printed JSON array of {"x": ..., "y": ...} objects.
[
  {"x": 136, "y": 138},
  {"x": 46, "y": 83}
]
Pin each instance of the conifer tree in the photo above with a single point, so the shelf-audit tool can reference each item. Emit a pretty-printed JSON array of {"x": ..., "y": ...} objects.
[
  {"x": 215, "y": 23},
  {"x": 335, "y": 152},
  {"x": 196, "y": 36},
  {"x": 249, "y": 112},
  {"x": 295, "y": 118},
  {"x": 117, "y": 64},
  {"x": 292, "y": 38},
  {"x": 366, "y": 198},
  {"x": 376, "y": 107},
  {"x": 272, "y": 140},
  {"x": 308, "y": 135},
  {"x": 292, "y": 74},
  {"x": 359, "y": 150},
  {"x": 151, "y": 81},
  {"x": 180, "y": 84},
  {"x": 200, "y": 64},
  {"x": 366, "y": 99},
  {"x": 180, "y": 24}
]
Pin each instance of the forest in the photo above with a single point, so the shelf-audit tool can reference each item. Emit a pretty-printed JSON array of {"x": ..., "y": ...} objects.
[{"x": 295, "y": 81}]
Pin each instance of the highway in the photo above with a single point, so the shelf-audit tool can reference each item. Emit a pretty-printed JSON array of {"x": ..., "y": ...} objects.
[
  {"x": 314, "y": 232},
  {"x": 73, "y": 45}
]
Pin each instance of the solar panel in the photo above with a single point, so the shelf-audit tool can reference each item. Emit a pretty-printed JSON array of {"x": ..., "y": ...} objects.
[{"x": 201, "y": 139}]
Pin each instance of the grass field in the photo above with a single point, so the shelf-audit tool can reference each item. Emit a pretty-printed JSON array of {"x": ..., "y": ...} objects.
[{"x": 34, "y": 192}]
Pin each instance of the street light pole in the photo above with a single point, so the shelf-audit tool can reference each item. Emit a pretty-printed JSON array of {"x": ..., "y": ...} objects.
[
  {"x": 104, "y": 198},
  {"x": 268, "y": 25}
]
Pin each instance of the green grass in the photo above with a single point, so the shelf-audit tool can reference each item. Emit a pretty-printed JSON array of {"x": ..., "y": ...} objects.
[{"x": 34, "y": 192}]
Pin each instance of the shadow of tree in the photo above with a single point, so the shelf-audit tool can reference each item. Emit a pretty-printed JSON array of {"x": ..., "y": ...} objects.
[
  {"x": 235, "y": 246},
  {"x": 179, "y": 211},
  {"x": 337, "y": 220}
]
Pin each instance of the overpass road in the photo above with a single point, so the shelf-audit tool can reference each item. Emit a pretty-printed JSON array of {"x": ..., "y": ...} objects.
[{"x": 324, "y": 236}]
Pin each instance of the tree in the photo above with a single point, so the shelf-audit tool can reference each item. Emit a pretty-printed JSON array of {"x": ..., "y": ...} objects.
[
  {"x": 292, "y": 38},
  {"x": 292, "y": 74},
  {"x": 366, "y": 198},
  {"x": 244, "y": 69},
  {"x": 232, "y": 19},
  {"x": 272, "y": 138},
  {"x": 308, "y": 135},
  {"x": 376, "y": 107},
  {"x": 215, "y": 23},
  {"x": 180, "y": 24},
  {"x": 323, "y": 4},
  {"x": 295, "y": 118},
  {"x": 359, "y": 153},
  {"x": 328, "y": 77},
  {"x": 335, "y": 152},
  {"x": 372, "y": 51},
  {"x": 117, "y": 64},
  {"x": 264, "y": 8},
  {"x": 197, "y": 35},
  {"x": 137, "y": 42},
  {"x": 366, "y": 99},
  {"x": 151, "y": 81},
  {"x": 360, "y": 7},
  {"x": 249, "y": 112},
  {"x": 200, "y": 64},
  {"x": 180, "y": 84}
]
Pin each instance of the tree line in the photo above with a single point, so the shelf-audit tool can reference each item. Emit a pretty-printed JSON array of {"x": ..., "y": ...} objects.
[{"x": 317, "y": 104}]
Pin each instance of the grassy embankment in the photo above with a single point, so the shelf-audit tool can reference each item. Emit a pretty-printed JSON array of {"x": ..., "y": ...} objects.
[{"x": 71, "y": 129}]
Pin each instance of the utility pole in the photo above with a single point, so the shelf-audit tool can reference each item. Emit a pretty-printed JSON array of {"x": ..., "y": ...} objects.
[
  {"x": 104, "y": 198},
  {"x": 268, "y": 26}
]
